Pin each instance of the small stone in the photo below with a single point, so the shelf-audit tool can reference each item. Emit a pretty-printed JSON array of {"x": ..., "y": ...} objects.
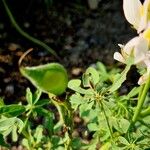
[
  {"x": 26, "y": 24},
  {"x": 6, "y": 80},
  {"x": 76, "y": 71},
  {"x": 77, "y": 119},
  {"x": 9, "y": 89},
  {"x": 13, "y": 46}
]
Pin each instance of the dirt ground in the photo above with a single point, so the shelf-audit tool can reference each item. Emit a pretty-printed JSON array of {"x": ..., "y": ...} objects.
[{"x": 80, "y": 37}]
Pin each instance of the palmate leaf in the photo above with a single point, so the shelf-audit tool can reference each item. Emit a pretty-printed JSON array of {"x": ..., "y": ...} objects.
[
  {"x": 49, "y": 78},
  {"x": 75, "y": 86},
  {"x": 121, "y": 124},
  {"x": 11, "y": 125},
  {"x": 91, "y": 76}
]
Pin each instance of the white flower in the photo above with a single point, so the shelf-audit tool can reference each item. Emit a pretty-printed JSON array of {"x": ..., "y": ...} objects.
[
  {"x": 137, "y": 47},
  {"x": 146, "y": 33},
  {"x": 142, "y": 80},
  {"x": 146, "y": 75},
  {"x": 137, "y": 14},
  {"x": 132, "y": 11}
]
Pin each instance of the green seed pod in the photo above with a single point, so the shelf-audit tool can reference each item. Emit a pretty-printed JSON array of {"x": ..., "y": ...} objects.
[{"x": 49, "y": 78}]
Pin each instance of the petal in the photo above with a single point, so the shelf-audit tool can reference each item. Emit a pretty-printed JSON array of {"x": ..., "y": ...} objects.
[
  {"x": 146, "y": 6},
  {"x": 142, "y": 24},
  {"x": 143, "y": 79},
  {"x": 146, "y": 33},
  {"x": 132, "y": 11},
  {"x": 121, "y": 46},
  {"x": 140, "y": 50},
  {"x": 147, "y": 61},
  {"x": 118, "y": 57},
  {"x": 139, "y": 47},
  {"x": 145, "y": 16},
  {"x": 130, "y": 45}
]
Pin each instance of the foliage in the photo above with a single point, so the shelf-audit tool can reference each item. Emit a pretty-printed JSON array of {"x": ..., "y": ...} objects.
[
  {"x": 115, "y": 121},
  {"x": 107, "y": 115}
]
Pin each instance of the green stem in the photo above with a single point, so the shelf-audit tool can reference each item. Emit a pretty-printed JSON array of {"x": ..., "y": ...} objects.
[
  {"x": 145, "y": 112},
  {"x": 110, "y": 130},
  {"x": 61, "y": 112},
  {"x": 141, "y": 90},
  {"x": 66, "y": 119},
  {"x": 141, "y": 101},
  {"x": 26, "y": 35}
]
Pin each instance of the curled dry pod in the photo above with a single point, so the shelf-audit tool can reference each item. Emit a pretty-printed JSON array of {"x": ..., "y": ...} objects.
[{"x": 49, "y": 78}]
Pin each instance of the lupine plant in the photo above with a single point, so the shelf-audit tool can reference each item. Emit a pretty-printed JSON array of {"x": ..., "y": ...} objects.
[{"x": 111, "y": 120}]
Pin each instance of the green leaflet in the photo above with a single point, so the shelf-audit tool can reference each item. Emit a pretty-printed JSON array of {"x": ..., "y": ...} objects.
[
  {"x": 12, "y": 110},
  {"x": 2, "y": 141},
  {"x": 91, "y": 76},
  {"x": 49, "y": 78},
  {"x": 120, "y": 78}
]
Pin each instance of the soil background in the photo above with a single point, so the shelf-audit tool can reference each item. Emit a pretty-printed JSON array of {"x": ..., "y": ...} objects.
[{"x": 79, "y": 35}]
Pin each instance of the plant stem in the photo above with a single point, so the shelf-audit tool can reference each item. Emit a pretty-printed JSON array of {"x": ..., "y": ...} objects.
[
  {"x": 141, "y": 90},
  {"x": 26, "y": 35},
  {"x": 110, "y": 130},
  {"x": 66, "y": 119},
  {"x": 145, "y": 112},
  {"x": 141, "y": 101}
]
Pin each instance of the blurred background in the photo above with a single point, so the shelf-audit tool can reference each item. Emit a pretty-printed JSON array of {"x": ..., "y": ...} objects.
[{"x": 81, "y": 32}]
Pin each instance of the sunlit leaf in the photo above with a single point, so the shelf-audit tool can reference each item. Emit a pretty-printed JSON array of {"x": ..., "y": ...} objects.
[
  {"x": 101, "y": 67},
  {"x": 123, "y": 140},
  {"x": 14, "y": 133},
  {"x": 36, "y": 96},
  {"x": 106, "y": 146},
  {"x": 75, "y": 85},
  {"x": 6, "y": 123},
  {"x": 38, "y": 133},
  {"x": 76, "y": 100},
  {"x": 93, "y": 127},
  {"x": 49, "y": 78},
  {"x": 25, "y": 143},
  {"x": 90, "y": 77},
  {"x": 120, "y": 125},
  {"x": 20, "y": 125},
  {"x": 120, "y": 79},
  {"x": 29, "y": 96}
]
